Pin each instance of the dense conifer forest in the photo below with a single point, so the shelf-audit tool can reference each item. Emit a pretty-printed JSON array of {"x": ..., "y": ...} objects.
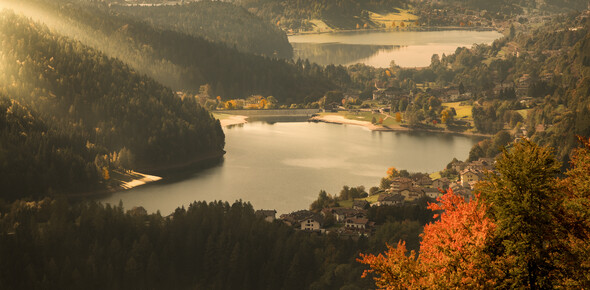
[
  {"x": 210, "y": 19},
  {"x": 73, "y": 113},
  {"x": 176, "y": 59},
  {"x": 217, "y": 245},
  {"x": 295, "y": 14}
]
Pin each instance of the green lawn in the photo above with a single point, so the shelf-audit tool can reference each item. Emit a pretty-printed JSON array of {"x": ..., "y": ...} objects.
[
  {"x": 348, "y": 203},
  {"x": 372, "y": 198},
  {"x": 524, "y": 112},
  {"x": 345, "y": 203},
  {"x": 435, "y": 175},
  {"x": 463, "y": 111},
  {"x": 221, "y": 116}
]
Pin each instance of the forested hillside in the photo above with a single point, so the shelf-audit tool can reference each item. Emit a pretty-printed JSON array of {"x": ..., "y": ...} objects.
[
  {"x": 53, "y": 245},
  {"x": 178, "y": 60},
  {"x": 343, "y": 14},
  {"x": 564, "y": 99},
  {"x": 508, "y": 7},
  {"x": 533, "y": 81},
  {"x": 217, "y": 22},
  {"x": 35, "y": 159},
  {"x": 85, "y": 113}
]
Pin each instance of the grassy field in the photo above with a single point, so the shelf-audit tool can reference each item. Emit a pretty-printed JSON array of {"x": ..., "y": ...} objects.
[
  {"x": 463, "y": 111},
  {"x": 221, "y": 116},
  {"x": 345, "y": 203},
  {"x": 386, "y": 19},
  {"x": 435, "y": 175},
  {"x": 524, "y": 112},
  {"x": 370, "y": 199}
]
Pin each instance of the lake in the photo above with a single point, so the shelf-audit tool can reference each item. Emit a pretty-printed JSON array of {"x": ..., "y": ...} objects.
[
  {"x": 284, "y": 165},
  {"x": 379, "y": 48}
]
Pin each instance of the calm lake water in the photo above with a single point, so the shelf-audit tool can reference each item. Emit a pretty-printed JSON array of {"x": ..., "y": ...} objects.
[
  {"x": 283, "y": 166},
  {"x": 379, "y": 48}
]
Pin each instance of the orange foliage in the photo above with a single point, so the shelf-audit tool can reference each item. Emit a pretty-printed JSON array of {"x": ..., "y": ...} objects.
[
  {"x": 451, "y": 251},
  {"x": 105, "y": 173},
  {"x": 398, "y": 117},
  {"x": 395, "y": 270},
  {"x": 392, "y": 172}
]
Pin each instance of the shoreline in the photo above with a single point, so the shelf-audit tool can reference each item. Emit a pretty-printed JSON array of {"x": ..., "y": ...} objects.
[
  {"x": 429, "y": 28},
  {"x": 336, "y": 119},
  {"x": 143, "y": 178},
  {"x": 233, "y": 120}
]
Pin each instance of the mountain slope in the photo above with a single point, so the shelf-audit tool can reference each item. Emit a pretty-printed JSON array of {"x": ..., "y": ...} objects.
[
  {"x": 217, "y": 22},
  {"x": 178, "y": 60},
  {"x": 112, "y": 116}
]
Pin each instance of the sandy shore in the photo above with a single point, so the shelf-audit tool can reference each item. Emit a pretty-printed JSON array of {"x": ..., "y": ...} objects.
[
  {"x": 139, "y": 181},
  {"x": 233, "y": 120},
  {"x": 337, "y": 119}
]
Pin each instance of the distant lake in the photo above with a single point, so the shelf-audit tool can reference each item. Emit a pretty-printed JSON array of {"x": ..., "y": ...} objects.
[
  {"x": 283, "y": 166},
  {"x": 379, "y": 48}
]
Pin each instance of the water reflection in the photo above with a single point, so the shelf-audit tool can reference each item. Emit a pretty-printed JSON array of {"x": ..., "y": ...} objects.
[
  {"x": 283, "y": 165},
  {"x": 338, "y": 53},
  {"x": 379, "y": 48}
]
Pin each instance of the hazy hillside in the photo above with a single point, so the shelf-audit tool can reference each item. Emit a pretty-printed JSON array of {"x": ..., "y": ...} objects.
[
  {"x": 217, "y": 22},
  {"x": 508, "y": 6},
  {"x": 37, "y": 160},
  {"x": 178, "y": 60},
  {"x": 80, "y": 105},
  {"x": 295, "y": 14}
]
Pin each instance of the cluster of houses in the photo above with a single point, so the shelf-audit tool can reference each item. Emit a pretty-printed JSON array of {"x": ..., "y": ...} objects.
[
  {"x": 404, "y": 189},
  {"x": 353, "y": 222},
  {"x": 345, "y": 222}
]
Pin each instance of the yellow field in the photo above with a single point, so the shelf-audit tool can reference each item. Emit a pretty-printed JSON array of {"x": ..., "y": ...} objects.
[
  {"x": 220, "y": 116},
  {"x": 348, "y": 203},
  {"x": 386, "y": 19},
  {"x": 435, "y": 175},
  {"x": 463, "y": 111},
  {"x": 524, "y": 112}
]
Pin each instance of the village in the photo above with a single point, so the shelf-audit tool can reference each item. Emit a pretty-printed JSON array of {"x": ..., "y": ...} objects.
[{"x": 354, "y": 222}]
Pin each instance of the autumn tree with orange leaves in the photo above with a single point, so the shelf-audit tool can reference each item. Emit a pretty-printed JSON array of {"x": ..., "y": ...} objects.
[
  {"x": 525, "y": 228},
  {"x": 451, "y": 252}
]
